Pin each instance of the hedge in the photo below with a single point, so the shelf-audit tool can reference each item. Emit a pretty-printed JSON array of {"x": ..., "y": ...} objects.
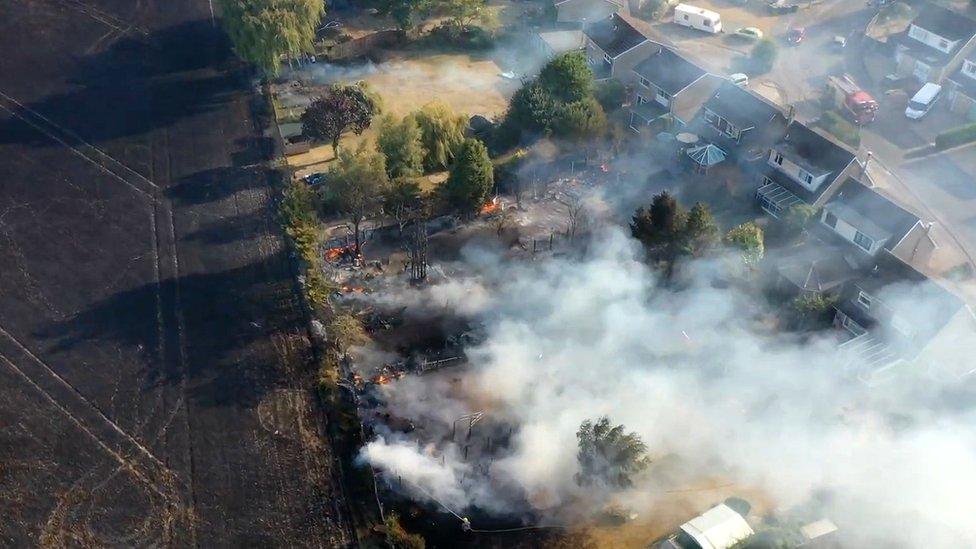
[{"x": 956, "y": 136}]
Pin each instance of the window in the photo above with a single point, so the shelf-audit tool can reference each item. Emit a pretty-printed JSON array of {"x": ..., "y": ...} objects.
[
  {"x": 864, "y": 299},
  {"x": 641, "y": 100},
  {"x": 969, "y": 68},
  {"x": 607, "y": 58},
  {"x": 778, "y": 159},
  {"x": 711, "y": 117},
  {"x": 944, "y": 44},
  {"x": 830, "y": 220},
  {"x": 686, "y": 16},
  {"x": 806, "y": 177},
  {"x": 918, "y": 33},
  {"x": 663, "y": 98},
  {"x": 863, "y": 240},
  {"x": 644, "y": 82}
]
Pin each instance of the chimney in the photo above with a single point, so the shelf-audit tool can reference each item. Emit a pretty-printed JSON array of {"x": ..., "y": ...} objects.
[{"x": 790, "y": 114}]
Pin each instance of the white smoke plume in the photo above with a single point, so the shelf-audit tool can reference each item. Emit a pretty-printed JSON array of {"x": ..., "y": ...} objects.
[{"x": 702, "y": 380}]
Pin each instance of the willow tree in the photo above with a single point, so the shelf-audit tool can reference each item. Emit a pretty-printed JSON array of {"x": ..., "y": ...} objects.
[
  {"x": 264, "y": 31},
  {"x": 442, "y": 132}
]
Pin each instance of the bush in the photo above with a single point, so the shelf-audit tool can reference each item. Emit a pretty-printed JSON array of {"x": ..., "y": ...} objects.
[
  {"x": 470, "y": 39},
  {"x": 840, "y": 128},
  {"x": 956, "y": 136},
  {"x": 652, "y": 9},
  {"x": 763, "y": 56},
  {"x": 611, "y": 95}
]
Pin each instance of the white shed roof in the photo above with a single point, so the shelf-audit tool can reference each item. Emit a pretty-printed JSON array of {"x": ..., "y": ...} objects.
[{"x": 718, "y": 528}]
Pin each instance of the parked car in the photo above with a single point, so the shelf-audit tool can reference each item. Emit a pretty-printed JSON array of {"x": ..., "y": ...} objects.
[
  {"x": 314, "y": 178},
  {"x": 839, "y": 42},
  {"x": 749, "y": 33},
  {"x": 796, "y": 35},
  {"x": 739, "y": 79},
  {"x": 921, "y": 103},
  {"x": 778, "y": 7}
]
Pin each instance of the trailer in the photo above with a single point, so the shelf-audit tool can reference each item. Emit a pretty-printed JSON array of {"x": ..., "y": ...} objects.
[
  {"x": 854, "y": 102},
  {"x": 698, "y": 18}
]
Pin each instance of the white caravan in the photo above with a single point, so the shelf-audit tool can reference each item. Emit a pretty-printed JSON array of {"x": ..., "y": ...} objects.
[{"x": 698, "y": 18}]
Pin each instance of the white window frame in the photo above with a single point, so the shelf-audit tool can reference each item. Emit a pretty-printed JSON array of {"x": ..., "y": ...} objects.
[
  {"x": 805, "y": 177},
  {"x": 865, "y": 237},
  {"x": 827, "y": 216},
  {"x": 865, "y": 299},
  {"x": 607, "y": 58},
  {"x": 644, "y": 82},
  {"x": 641, "y": 99},
  {"x": 851, "y": 326},
  {"x": 778, "y": 158},
  {"x": 969, "y": 68},
  {"x": 944, "y": 44}
]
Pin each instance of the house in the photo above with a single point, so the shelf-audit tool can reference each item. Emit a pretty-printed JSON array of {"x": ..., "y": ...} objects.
[
  {"x": 614, "y": 47},
  {"x": 935, "y": 44},
  {"x": 897, "y": 315},
  {"x": 961, "y": 89},
  {"x": 818, "y": 268},
  {"x": 583, "y": 11},
  {"x": 803, "y": 167},
  {"x": 872, "y": 223},
  {"x": 738, "y": 118},
  {"x": 720, "y": 527},
  {"x": 554, "y": 43},
  {"x": 669, "y": 90}
]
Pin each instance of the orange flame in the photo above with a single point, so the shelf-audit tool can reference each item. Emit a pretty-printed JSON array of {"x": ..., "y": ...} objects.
[
  {"x": 381, "y": 379},
  {"x": 491, "y": 206}
]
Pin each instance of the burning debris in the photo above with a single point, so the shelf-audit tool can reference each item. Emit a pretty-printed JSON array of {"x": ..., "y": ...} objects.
[{"x": 491, "y": 207}]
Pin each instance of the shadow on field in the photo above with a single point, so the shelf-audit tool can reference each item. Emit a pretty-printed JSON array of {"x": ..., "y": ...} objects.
[
  {"x": 106, "y": 96},
  {"x": 228, "y": 230},
  {"x": 230, "y": 313},
  {"x": 216, "y": 184}
]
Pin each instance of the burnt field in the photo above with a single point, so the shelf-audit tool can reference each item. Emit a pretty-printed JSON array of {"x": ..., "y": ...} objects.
[{"x": 152, "y": 350}]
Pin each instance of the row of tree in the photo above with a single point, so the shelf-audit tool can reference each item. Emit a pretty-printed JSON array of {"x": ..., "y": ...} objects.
[
  {"x": 668, "y": 232},
  {"x": 265, "y": 31}
]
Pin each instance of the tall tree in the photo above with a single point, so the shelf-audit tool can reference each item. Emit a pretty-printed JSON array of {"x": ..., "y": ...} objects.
[
  {"x": 263, "y": 31},
  {"x": 581, "y": 122},
  {"x": 608, "y": 455},
  {"x": 748, "y": 239},
  {"x": 763, "y": 55},
  {"x": 660, "y": 225},
  {"x": 442, "y": 132},
  {"x": 461, "y": 13},
  {"x": 568, "y": 77},
  {"x": 339, "y": 110},
  {"x": 402, "y": 11},
  {"x": 471, "y": 178},
  {"x": 700, "y": 229},
  {"x": 532, "y": 109},
  {"x": 402, "y": 145},
  {"x": 358, "y": 181},
  {"x": 402, "y": 201}
]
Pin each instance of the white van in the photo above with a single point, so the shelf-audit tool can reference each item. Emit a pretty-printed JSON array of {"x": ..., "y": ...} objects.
[
  {"x": 698, "y": 18},
  {"x": 922, "y": 102}
]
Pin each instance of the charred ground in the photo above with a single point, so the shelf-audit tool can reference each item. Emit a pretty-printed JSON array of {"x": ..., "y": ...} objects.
[{"x": 151, "y": 341}]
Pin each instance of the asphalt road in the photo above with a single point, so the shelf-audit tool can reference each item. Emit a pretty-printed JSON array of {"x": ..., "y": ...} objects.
[{"x": 152, "y": 389}]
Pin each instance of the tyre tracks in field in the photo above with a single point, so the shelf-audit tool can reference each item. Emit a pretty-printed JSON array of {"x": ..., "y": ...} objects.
[{"x": 132, "y": 453}]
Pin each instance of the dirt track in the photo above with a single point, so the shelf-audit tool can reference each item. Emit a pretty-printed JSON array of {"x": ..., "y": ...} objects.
[{"x": 149, "y": 327}]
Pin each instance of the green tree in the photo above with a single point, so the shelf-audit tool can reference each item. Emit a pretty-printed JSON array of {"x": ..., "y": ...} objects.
[
  {"x": 581, "y": 120},
  {"x": 763, "y": 55},
  {"x": 403, "y": 12},
  {"x": 661, "y": 225},
  {"x": 298, "y": 209},
  {"x": 462, "y": 13},
  {"x": 608, "y": 455},
  {"x": 358, "y": 181},
  {"x": 402, "y": 201},
  {"x": 611, "y": 94},
  {"x": 568, "y": 77},
  {"x": 402, "y": 145},
  {"x": 339, "y": 110},
  {"x": 812, "y": 310},
  {"x": 442, "y": 132},
  {"x": 398, "y": 537},
  {"x": 653, "y": 9},
  {"x": 700, "y": 229},
  {"x": 263, "y": 31},
  {"x": 748, "y": 239},
  {"x": 471, "y": 178},
  {"x": 798, "y": 216},
  {"x": 532, "y": 109}
]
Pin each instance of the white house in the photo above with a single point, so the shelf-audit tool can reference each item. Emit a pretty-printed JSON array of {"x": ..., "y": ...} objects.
[
  {"x": 718, "y": 528},
  {"x": 935, "y": 44}
]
